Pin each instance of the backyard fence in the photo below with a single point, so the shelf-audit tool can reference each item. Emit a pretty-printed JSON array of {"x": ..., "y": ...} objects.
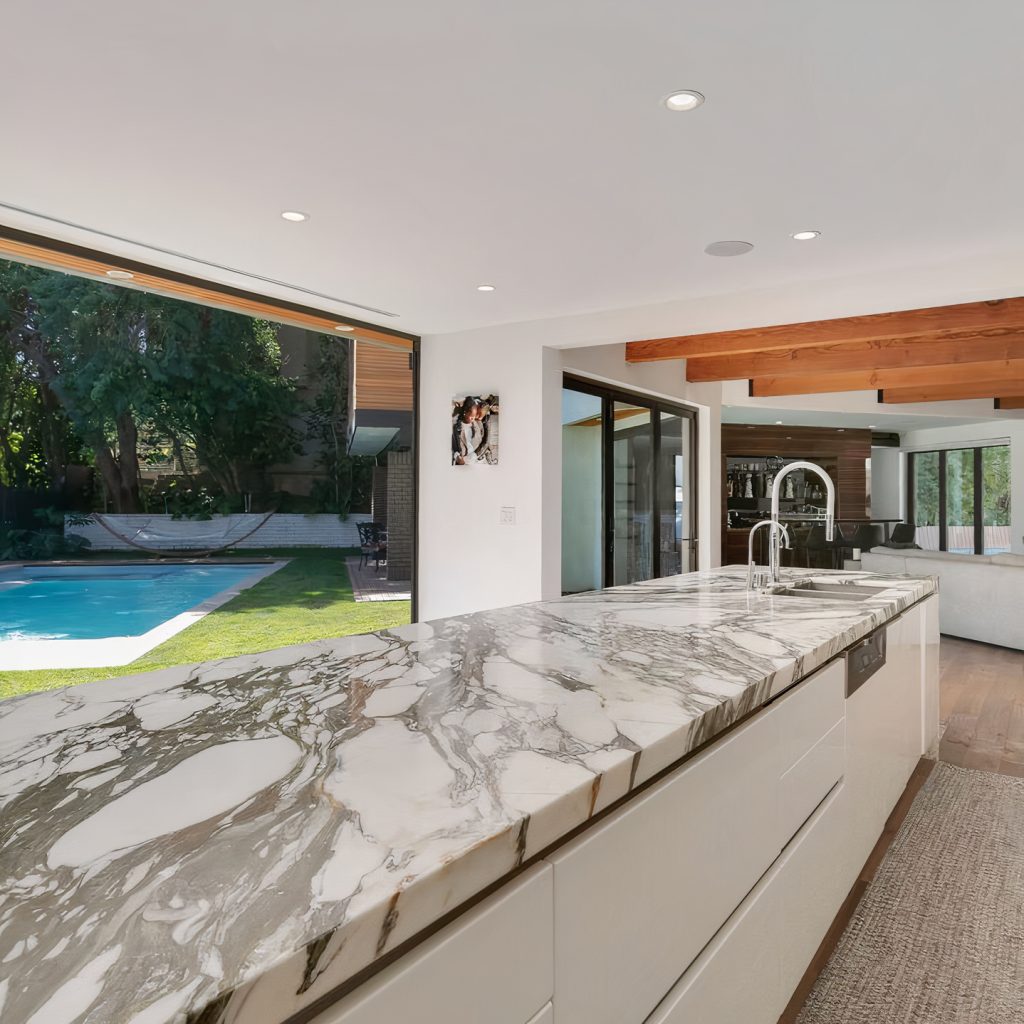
[{"x": 281, "y": 530}]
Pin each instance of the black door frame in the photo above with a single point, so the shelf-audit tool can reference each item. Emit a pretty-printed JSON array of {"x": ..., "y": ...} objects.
[{"x": 609, "y": 395}]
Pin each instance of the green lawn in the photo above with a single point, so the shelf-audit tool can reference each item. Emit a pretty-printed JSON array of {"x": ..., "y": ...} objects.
[{"x": 309, "y": 599}]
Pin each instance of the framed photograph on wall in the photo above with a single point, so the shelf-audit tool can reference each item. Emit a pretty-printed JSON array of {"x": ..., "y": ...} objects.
[{"x": 475, "y": 430}]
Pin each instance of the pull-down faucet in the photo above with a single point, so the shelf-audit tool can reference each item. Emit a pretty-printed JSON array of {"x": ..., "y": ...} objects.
[
  {"x": 830, "y": 509},
  {"x": 777, "y": 534}
]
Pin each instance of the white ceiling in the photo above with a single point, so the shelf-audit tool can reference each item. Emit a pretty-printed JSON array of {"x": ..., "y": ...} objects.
[
  {"x": 881, "y": 422},
  {"x": 442, "y": 144}
]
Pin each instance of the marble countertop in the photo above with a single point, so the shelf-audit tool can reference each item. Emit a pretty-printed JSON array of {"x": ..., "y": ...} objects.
[{"x": 228, "y": 842}]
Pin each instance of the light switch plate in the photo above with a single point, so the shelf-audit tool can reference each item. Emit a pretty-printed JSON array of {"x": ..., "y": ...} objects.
[{"x": 507, "y": 515}]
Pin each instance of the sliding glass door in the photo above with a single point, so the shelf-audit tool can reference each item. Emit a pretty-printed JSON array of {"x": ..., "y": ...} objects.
[{"x": 628, "y": 487}]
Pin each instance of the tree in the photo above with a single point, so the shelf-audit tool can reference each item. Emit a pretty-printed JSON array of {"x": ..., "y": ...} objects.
[{"x": 87, "y": 345}]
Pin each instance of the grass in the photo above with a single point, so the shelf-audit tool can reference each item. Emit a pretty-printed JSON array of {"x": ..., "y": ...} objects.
[{"x": 309, "y": 599}]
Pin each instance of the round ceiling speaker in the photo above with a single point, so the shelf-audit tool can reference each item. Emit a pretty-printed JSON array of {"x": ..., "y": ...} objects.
[{"x": 728, "y": 248}]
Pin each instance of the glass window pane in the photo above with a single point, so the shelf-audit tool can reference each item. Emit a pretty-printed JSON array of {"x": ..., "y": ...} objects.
[
  {"x": 582, "y": 504},
  {"x": 632, "y": 493},
  {"x": 960, "y": 501},
  {"x": 995, "y": 498},
  {"x": 674, "y": 499},
  {"x": 926, "y": 499}
]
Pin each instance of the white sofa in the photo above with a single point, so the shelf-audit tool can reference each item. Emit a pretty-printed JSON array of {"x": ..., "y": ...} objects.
[{"x": 981, "y": 597}]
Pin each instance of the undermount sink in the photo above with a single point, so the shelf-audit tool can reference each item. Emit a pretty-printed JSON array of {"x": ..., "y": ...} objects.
[{"x": 829, "y": 591}]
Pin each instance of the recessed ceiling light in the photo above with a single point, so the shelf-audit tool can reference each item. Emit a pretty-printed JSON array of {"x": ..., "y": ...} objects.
[
  {"x": 120, "y": 275},
  {"x": 804, "y": 236},
  {"x": 778, "y": 423},
  {"x": 294, "y": 215},
  {"x": 734, "y": 248},
  {"x": 343, "y": 327},
  {"x": 485, "y": 287},
  {"x": 871, "y": 426},
  {"x": 685, "y": 99}
]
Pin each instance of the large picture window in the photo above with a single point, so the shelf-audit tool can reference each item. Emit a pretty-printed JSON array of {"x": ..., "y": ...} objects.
[{"x": 959, "y": 499}]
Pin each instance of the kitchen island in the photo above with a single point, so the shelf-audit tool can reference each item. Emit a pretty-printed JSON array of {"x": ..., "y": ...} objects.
[{"x": 238, "y": 842}]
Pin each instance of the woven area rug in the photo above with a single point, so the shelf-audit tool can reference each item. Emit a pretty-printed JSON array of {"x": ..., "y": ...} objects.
[{"x": 939, "y": 936}]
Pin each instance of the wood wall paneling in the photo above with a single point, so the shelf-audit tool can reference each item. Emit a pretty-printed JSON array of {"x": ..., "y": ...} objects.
[{"x": 383, "y": 379}]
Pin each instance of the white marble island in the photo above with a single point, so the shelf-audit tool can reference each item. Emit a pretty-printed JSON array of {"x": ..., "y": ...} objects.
[{"x": 229, "y": 843}]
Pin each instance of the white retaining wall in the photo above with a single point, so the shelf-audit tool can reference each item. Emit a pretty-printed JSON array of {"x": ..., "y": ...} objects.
[{"x": 281, "y": 530}]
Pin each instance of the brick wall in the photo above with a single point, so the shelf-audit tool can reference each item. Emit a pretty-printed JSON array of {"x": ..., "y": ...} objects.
[
  {"x": 401, "y": 484},
  {"x": 379, "y": 506},
  {"x": 280, "y": 531}
]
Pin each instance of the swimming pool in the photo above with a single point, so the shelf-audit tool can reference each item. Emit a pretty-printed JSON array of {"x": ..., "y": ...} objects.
[{"x": 79, "y": 615}]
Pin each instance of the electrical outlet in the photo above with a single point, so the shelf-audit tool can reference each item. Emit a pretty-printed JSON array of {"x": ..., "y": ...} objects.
[{"x": 507, "y": 515}]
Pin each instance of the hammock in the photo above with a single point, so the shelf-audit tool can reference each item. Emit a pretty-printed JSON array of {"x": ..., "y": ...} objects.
[{"x": 192, "y": 544}]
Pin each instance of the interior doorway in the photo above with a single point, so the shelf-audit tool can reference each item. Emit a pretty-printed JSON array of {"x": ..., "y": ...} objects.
[{"x": 628, "y": 487}]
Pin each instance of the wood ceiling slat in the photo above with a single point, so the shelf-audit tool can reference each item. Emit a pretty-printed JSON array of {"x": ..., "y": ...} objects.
[
  {"x": 176, "y": 286},
  {"x": 928, "y": 350},
  {"x": 951, "y": 392},
  {"x": 970, "y": 316},
  {"x": 992, "y": 372}
]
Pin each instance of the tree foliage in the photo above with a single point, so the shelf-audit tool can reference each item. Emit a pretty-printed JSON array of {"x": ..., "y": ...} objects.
[{"x": 120, "y": 370}]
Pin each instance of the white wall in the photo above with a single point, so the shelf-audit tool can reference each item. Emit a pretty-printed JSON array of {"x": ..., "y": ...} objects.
[
  {"x": 468, "y": 561},
  {"x": 965, "y": 437},
  {"x": 887, "y": 483}
]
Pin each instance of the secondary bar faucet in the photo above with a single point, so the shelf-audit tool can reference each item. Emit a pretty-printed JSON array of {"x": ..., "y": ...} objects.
[
  {"x": 758, "y": 578},
  {"x": 830, "y": 508}
]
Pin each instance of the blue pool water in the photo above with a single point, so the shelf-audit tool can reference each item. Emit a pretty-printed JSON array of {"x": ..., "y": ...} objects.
[{"x": 89, "y": 602}]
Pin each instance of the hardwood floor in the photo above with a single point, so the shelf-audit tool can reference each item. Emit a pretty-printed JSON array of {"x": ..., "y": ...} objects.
[{"x": 981, "y": 696}]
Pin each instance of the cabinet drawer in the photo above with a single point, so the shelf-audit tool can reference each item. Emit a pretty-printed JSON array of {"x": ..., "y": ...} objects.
[
  {"x": 809, "y": 711},
  {"x": 492, "y": 964},
  {"x": 807, "y": 783},
  {"x": 736, "y": 979},
  {"x": 816, "y": 872},
  {"x": 638, "y": 896}
]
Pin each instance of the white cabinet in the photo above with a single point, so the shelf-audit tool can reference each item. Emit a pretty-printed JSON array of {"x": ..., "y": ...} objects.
[
  {"x": 929, "y": 611},
  {"x": 638, "y": 896},
  {"x": 737, "y": 977},
  {"x": 493, "y": 964},
  {"x": 546, "y": 1016},
  {"x": 883, "y": 732}
]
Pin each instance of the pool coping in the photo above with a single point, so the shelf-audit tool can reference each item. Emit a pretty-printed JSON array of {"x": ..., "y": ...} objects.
[{"x": 115, "y": 651}]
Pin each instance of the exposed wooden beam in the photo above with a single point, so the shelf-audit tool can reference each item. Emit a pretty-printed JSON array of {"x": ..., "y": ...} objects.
[
  {"x": 950, "y": 392},
  {"x": 969, "y": 316},
  {"x": 889, "y": 353},
  {"x": 902, "y": 377},
  {"x": 1016, "y": 402}
]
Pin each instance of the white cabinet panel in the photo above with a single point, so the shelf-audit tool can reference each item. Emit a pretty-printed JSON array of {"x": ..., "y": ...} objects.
[
  {"x": 493, "y": 964},
  {"x": 809, "y": 711},
  {"x": 815, "y": 874},
  {"x": 737, "y": 976},
  {"x": 807, "y": 783},
  {"x": 637, "y": 897},
  {"x": 930, "y": 673},
  {"x": 546, "y": 1016}
]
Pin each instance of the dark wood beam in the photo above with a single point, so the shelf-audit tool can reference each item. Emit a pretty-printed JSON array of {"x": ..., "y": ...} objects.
[
  {"x": 969, "y": 316},
  {"x": 950, "y": 392},
  {"x": 889, "y": 353},
  {"x": 904, "y": 377},
  {"x": 1016, "y": 402}
]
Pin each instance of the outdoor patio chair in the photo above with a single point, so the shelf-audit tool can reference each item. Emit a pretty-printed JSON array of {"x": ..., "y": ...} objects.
[{"x": 373, "y": 543}]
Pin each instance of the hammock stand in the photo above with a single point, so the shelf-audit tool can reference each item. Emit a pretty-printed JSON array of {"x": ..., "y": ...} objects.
[{"x": 194, "y": 552}]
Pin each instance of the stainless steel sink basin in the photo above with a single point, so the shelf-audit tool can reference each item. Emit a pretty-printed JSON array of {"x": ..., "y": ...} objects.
[{"x": 830, "y": 591}]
